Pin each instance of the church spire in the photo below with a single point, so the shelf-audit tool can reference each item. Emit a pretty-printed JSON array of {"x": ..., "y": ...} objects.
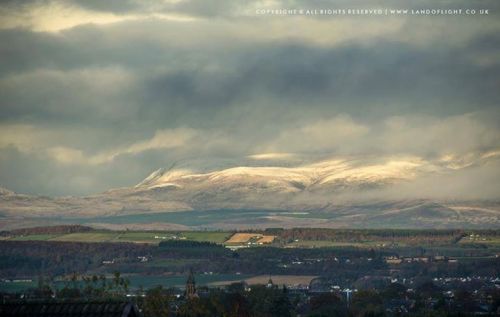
[
  {"x": 191, "y": 285},
  {"x": 270, "y": 283}
]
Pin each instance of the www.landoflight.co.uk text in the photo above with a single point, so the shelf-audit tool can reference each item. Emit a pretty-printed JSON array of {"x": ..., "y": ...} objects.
[{"x": 383, "y": 11}]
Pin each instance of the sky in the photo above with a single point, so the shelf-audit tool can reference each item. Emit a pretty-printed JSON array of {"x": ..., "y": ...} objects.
[{"x": 98, "y": 94}]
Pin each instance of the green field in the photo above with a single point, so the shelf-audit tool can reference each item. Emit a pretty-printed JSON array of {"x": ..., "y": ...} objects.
[
  {"x": 328, "y": 243},
  {"x": 34, "y": 237},
  {"x": 476, "y": 240},
  {"x": 13, "y": 287},
  {"x": 87, "y": 237},
  {"x": 489, "y": 240},
  {"x": 153, "y": 237},
  {"x": 216, "y": 237},
  {"x": 136, "y": 281},
  {"x": 172, "y": 262},
  {"x": 146, "y": 237},
  {"x": 148, "y": 281}
]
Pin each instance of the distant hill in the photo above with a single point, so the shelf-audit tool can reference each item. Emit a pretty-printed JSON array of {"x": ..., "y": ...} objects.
[{"x": 332, "y": 193}]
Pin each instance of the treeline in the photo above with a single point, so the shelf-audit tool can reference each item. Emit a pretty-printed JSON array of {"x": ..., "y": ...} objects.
[
  {"x": 191, "y": 249},
  {"x": 183, "y": 244},
  {"x": 362, "y": 235},
  {"x": 238, "y": 299},
  {"x": 54, "y": 258},
  {"x": 30, "y": 258},
  {"x": 62, "y": 229}
]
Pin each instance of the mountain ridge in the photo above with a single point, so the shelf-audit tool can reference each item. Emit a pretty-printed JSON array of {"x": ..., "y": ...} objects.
[{"x": 340, "y": 192}]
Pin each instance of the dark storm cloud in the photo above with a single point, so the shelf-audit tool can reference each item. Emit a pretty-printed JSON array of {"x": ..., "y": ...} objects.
[
  {"x": 378, "y": 78},
  {"x": 387, "y": 72},
  {"x": 385, "y": 78}
]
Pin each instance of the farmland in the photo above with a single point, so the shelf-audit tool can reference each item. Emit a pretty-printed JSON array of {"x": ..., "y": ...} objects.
[
  {"x": 152, "y": 237},
  {"x": 252, "y": 238},
  {"x": 289, "y": 238},
  {"x": 292, "y": 256}
]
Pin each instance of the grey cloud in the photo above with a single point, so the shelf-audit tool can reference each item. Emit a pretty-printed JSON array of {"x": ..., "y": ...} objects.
[
  {"x": 423, "y": 136},
  {"x": 281, "y": 82},
  {"x": 234, "y": 8},
  {"x": 382, "y": 77},
  {"x": 475, "y": 182},
  {"x": 110, "y": 86},
  {"x": 116, "y": 6},
  {"x": 37, "y": 174}
]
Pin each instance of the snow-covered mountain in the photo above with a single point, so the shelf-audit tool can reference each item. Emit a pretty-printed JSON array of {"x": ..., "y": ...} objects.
[
  {"x": 352, "y": 191},
  {"x": 290, "y": 179},
  {"x": 276, "y": 187}
]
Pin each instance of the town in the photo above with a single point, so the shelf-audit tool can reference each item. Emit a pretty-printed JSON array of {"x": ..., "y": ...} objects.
[{"x": 273, "y": 272}]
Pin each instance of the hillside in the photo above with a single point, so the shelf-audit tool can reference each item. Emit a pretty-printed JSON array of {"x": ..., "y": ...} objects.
[{"x": 331, "y": 193}]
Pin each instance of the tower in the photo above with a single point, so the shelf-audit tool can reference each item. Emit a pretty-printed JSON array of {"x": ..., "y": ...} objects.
[
  {"x": 270, "y": 283},
  {"x": 191, "y": 286}
]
